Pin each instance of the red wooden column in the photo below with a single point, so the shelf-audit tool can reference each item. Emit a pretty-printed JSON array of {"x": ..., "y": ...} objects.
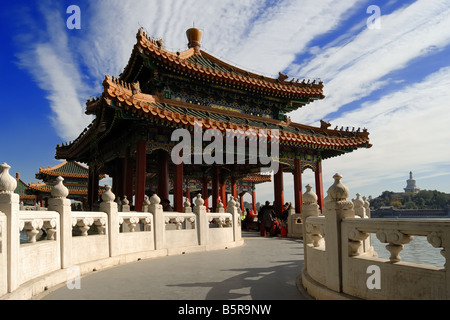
[
  {"x": 141, "y": 173},
  {"x": 163, "y": 175},
  {"x": 223, "y": 191},
  {"x": 188, "y": 192},
  {"x": 178, "y": 187},
  {"x": 241, "y": 198},
  {"x": 233, "y": 188},
  {"x": 279, "y": 190},
  {"x": 254, "y": 200},
  {"x": 215, "y": 187},
  {"x": 298, "y": 195},
  {"x": 205, "y": 193},
  {"x": 319, "y": 185}
]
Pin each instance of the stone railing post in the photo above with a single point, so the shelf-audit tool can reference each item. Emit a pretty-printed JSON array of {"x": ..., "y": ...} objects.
[
  {"x": 111, "y": 209},
  {"x": 145, "y": 204},
  {"x": 187, "y": 206},
  {"x": 9, "y": 205},
  {"x": 156, "y": 209},
  {"x": 358, "y": 206},
  {"x": 61, "y": 204},
  {"x": 337, "y": 208},
  {"x": 203, "y": 223},
  {"x": 367, "y": 207},
  {"x": 125, "y": 204},
  {"x": 310, "y": 208},
  {"x": 231, "y": 208}
]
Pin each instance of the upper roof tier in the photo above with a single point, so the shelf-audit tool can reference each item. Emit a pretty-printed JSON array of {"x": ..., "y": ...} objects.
[
  {"x": 197, "y": 64},
  {"x": 205, "y": 90},
  {"x": 66, "y": 169}
]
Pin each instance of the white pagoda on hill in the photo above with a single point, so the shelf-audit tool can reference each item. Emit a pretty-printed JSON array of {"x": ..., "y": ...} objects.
[{"x": 411, "y": 185}]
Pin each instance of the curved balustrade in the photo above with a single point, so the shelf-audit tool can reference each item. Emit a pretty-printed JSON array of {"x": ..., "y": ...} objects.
[
  {"x": 94, "y": 240},
  {"x": 340, "y": 262}
]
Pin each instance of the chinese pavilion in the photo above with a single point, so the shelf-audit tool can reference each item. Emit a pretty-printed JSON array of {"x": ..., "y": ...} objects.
[
  {"x": 160, "y": 91},
  {"x": 22, "y": 190},
  {"x": 75, "y": 179}
]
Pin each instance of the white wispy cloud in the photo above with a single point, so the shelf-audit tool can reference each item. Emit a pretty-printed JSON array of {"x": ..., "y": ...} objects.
[
  {"x": 249, "y": 33},
  {"x": 354, "y": 69},
  {"x": 409, "y": 131},
  {"x": 51, "y": 63},
  {"x": 256, "y": 35}
]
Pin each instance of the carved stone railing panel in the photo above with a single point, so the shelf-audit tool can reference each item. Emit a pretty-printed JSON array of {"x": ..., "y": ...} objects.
[
  {"x": 177, "y": 221},
  {"x": 315, "y": 231},
  {"x": 397, "y": 233},
  {"x": 85, "y": 220},
  {"x": 133, "y": 219},
  {"x": 396, "y": 241},
  {"x": 147, "y": 222},
  {"x": 436, "y": 239},
  {"x": 34, "y": 222},
  {"x": 181, "y": 221},
  {"x": 356, "y": 238},
  {"x": 220, "y": 220}
]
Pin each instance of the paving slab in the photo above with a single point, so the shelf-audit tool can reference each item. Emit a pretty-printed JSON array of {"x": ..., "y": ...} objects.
[{"x": 261, "y": 269}]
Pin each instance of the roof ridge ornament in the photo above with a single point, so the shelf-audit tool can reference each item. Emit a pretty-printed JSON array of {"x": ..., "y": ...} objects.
[{"x": 194, "y": 36}]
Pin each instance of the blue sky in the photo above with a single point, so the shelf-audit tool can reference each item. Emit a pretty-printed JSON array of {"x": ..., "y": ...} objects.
[{"x": 394, "y": 80}]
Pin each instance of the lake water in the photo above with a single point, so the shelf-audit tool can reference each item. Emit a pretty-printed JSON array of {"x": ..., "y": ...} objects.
[{"x": 419, "y": 250}]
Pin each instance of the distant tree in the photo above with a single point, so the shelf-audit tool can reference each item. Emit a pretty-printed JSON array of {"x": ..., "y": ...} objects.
[
  {"x": 411, "y": 205},
  {"x": 396, "y": 204},
  {"x": 424, "y": 199}
]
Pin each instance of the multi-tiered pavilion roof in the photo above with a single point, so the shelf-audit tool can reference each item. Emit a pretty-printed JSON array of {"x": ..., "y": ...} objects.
[{"x": 160, "y": 91}]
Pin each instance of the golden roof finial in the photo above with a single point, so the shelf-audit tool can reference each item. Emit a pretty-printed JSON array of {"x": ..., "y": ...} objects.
[{"x": 194, "y": 36}]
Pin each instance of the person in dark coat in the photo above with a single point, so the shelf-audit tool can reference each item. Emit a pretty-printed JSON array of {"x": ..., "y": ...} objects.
[
  {"x": 266, "y": 213},
  {"x": 166, "y": 205}
]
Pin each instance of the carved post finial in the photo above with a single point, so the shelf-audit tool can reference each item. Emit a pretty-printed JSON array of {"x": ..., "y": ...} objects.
[
  {"x": 59, "y": 190},
  {"x": 232, "y": 202},
  {"x": 199, "y": 201},
  {"x": 7, "y": 183},
  {"x": 220, "y": 204},
  {"x": 154, "y": 199},
  {"x": 108, "y": 196},
  {"x": 358, "y": 205},
  {"x": 187, "y": 206},
  {"x": 309, "y": 197},
  {"x": 338, "y": 191}
]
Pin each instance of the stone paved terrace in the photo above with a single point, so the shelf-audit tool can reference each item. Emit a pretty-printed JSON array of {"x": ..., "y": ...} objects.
[{"x": 262, "y": 269}]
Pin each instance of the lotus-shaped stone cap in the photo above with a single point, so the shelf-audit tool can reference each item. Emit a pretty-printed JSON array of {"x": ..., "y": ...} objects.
[
  {"x": 154, "y": 199},
  {"x": 232, "y": 202},
  {"x": 7, "y": 183},
  {"x": 309, "y": 197},
  {"x": 199, "y": 201},
  {"x": 358, "y": 202},
  {"x": 108, "y": 196},
  {"x": 338, "y": 191},
  {"x": 59, "y": 190}
]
